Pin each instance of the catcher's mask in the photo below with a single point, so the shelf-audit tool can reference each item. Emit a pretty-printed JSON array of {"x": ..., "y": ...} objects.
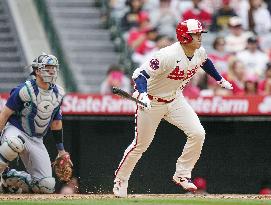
[
  {"x": 185, "y": 28},
  {"x": 48, "y": 67}
]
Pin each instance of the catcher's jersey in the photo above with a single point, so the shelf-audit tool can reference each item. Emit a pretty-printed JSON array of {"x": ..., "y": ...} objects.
[
  {"x": 170, "y": 69},
  {"x": 34, "y": 107}
]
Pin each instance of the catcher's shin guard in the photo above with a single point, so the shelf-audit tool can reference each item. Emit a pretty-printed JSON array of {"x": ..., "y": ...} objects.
[
  {"x": 14, "y": 181},
  {"x": 44, "y": 186}
]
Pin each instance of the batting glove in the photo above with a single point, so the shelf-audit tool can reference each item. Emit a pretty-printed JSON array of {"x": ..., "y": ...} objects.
[
  {"x": 225, "y": 84},
  {"x": 143, "y": 97}
]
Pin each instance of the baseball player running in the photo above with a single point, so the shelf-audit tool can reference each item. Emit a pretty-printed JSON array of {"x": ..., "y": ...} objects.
[
  {"x": 159, "y": 83},
  {"x": 32, "y": 108}
]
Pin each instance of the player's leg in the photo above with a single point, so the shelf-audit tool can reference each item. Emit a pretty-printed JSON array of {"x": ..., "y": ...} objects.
[
  {"x": 12, "y": 144},
  {"x": 38, "y": 177},
  {"x": 14, "y": 181},
  {"x": 38, "y": 165},
  {"x": 146, "y": 122},
  {"x": 184, "y": 117}
]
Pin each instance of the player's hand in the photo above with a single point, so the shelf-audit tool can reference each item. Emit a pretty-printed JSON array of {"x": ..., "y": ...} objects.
[
  {"x": 225, "y": 84},
  {"x": 143, "y": 97}
]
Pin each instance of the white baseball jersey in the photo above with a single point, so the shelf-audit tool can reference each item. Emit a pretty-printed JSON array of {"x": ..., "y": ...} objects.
[{"x": 170, "y": 69}]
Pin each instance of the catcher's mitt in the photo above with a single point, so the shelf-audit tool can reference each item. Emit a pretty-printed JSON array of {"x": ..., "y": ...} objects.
[{"x": 63, "y": 167}]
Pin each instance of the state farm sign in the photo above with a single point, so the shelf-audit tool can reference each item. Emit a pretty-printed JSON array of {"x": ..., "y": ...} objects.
[
  {"x": 89, "y": 104},
  {"x": 218, "y": 105},
  {"x": 96, "y": 104}
]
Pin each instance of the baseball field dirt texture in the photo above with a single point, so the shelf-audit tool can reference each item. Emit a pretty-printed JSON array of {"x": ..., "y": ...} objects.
[{"x": 137, "y": 199}]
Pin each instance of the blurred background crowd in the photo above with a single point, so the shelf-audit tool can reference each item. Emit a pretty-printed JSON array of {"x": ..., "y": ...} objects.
[{"x": 238, "y": 41}]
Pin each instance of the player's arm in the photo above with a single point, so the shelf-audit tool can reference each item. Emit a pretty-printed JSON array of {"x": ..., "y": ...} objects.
[
  {"x": 151, "y": 68},
  {"x": 141, "y": 86},
  {"x": 141, "y": 81},
  {"x": 56, "y": 126},
  {"x": 4, "y": 116},
  {"x": 57, "y": 132},
  {"x": 14, "y": 102},
  {"x": 210, "y": 69}
]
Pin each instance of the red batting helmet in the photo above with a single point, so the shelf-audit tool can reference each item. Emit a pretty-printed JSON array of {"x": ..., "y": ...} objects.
[{"x": 185, "y": 28}]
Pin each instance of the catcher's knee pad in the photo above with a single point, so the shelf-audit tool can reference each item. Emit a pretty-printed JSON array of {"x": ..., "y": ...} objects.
[
  {"x": 11, "y": 147},
  {"x": 44, "y": 185}
]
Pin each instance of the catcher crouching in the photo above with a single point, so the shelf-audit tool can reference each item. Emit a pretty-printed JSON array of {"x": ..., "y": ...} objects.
[{"x": 31, "y": 110}]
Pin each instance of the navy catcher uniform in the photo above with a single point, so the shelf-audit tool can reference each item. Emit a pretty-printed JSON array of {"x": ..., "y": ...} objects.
[
  {"x": 31, "y": 110},
  {"x": 159, "y": 83}
]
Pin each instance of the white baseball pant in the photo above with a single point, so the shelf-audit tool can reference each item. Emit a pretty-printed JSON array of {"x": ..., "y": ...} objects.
[
  {"x": 35, "y": 156},
  {"x": 178, "y": 113}
]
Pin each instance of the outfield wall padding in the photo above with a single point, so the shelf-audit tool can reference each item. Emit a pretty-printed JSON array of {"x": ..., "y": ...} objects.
[{"x": 236, "y": 156}]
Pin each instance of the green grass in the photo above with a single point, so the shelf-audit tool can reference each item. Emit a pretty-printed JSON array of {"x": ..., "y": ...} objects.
[{"x": 140, "y": 202}]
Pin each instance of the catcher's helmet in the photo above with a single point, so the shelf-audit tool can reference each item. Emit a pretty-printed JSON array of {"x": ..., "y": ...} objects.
[
  {"x": 185, "y": 28},
  {"x": 41, "y": 62}
]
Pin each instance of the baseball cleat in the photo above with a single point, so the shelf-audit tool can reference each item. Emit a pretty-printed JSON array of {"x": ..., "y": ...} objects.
[
  {"x": 185, "y": 182},
  {"x": 120, "y": 188}
]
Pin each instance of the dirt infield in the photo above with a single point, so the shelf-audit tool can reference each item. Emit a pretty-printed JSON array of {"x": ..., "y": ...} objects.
[{"x": 136, "y": 196}]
